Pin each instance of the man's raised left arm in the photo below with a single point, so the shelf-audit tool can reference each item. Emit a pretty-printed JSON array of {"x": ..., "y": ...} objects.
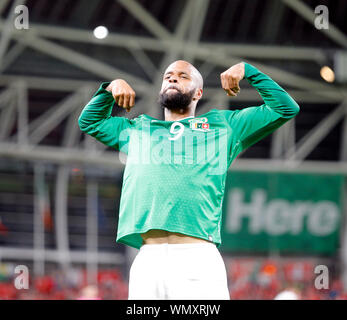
[{"x": 254, "y": 123}]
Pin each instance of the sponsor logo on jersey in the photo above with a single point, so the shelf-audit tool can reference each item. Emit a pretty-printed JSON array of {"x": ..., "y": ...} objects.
[{"x": 199, "y": 124}]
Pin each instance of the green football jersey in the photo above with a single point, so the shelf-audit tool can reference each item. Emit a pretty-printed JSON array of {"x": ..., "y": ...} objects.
[{"x": 175, "y": 171}]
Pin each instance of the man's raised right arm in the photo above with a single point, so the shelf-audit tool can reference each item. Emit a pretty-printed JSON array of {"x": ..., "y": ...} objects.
[{"x": 96, "y": 119}]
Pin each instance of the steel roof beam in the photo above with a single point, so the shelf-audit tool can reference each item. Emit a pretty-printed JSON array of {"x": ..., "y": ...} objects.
[{"x": 308, "y": 14}]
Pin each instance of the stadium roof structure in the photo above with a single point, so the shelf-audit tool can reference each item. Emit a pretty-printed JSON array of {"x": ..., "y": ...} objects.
[{"x": 49, "y": 71}]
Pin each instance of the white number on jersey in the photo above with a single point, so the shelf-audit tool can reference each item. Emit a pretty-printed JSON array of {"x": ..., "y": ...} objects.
[{"x": 178, "y": 133}]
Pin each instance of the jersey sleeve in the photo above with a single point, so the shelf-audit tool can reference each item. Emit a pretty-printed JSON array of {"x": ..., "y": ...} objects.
[
  {"x": 96, "y": 120},
  {"x": 251, "y": 124}
]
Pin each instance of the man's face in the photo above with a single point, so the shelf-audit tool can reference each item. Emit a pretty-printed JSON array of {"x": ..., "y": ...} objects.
[{"x": 179, "y": 86}]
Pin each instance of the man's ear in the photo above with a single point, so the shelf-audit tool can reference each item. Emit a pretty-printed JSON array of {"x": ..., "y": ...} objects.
[{"x": 198, "y": 94}]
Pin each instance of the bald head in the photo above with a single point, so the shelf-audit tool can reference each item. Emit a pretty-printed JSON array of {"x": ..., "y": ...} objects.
[{"x": 182, "y": 65}]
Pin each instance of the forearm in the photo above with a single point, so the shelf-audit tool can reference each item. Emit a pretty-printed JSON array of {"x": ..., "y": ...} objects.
[
  {"x": 97, "y": 109},
  {"x": 274, "y": 96}
]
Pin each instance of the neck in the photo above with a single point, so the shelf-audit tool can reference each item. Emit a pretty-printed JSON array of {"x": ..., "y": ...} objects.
[{"x": 173, "y": 115}]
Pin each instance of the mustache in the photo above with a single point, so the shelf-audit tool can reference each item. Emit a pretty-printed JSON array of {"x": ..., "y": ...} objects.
[{"x": 172, "y": 87}]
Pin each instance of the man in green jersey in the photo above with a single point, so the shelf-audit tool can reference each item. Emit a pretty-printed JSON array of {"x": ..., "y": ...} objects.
[{"x": 174, "y": 178}]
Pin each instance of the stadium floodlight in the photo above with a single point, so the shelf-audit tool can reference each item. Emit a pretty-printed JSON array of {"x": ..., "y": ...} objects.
[
  {"x": 100, "y": 32},
  {"x": 327, "y": 74}
]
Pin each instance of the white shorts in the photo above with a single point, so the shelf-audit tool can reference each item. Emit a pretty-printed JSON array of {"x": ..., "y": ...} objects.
[{"x": 165, "y": 271}]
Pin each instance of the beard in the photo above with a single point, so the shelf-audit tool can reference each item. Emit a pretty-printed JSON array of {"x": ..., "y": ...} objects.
[{"x": 176, "y": 101}]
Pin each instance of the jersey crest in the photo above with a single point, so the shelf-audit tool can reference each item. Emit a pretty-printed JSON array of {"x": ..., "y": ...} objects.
[{"x": 199, "y": 124}]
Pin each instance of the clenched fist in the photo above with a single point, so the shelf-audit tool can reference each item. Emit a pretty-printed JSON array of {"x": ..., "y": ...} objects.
[
  {"x": 122, "y": 93},
  {"x": 230, "y": 79}
]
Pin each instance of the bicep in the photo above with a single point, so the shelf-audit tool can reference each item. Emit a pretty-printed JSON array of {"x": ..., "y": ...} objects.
[
  {"x": 111, "y": 131},
  {"x": 254, "y": 123}
]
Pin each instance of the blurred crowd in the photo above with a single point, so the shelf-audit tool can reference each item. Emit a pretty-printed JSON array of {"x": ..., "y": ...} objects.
[
  {"x": 248, "y": 279},
  {"x": 263, "y": 279},
  {"x": 70, "y": 285}
]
